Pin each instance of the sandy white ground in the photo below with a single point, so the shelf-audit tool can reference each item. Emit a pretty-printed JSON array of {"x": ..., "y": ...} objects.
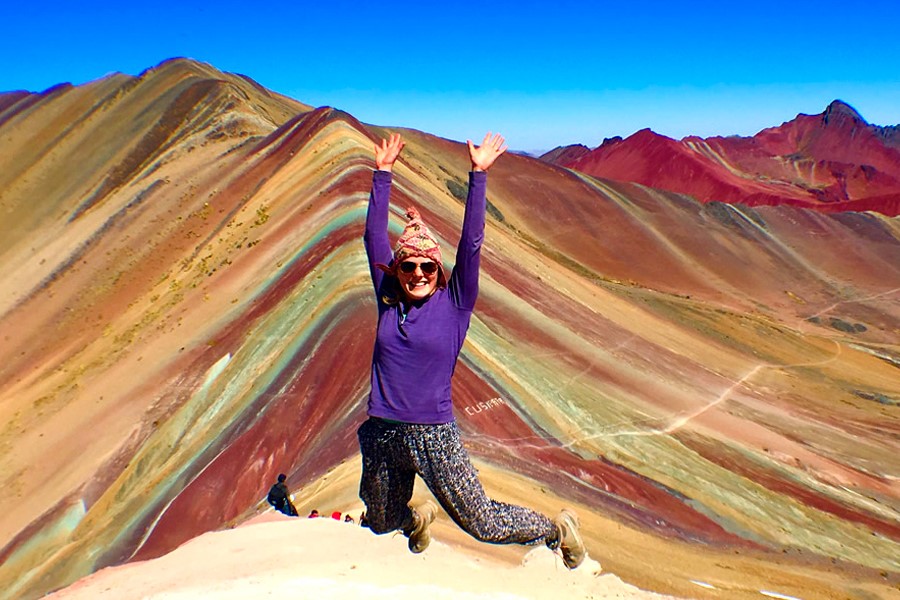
[{"x": 274, "y": 556}]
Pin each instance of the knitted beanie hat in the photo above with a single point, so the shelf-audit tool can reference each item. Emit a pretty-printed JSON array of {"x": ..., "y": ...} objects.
[{"x": 417, "y": 240}]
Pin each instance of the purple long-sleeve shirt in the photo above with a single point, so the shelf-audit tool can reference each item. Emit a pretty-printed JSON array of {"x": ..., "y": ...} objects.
[{"x": 415, "y": 356}]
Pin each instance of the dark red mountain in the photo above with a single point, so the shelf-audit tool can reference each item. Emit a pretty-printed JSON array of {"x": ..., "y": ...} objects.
[
  {"x": 834, "y": 161},
  {"x": 566, "y": 154}
]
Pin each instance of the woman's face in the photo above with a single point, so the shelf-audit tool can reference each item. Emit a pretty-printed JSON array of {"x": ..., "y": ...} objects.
[{"x": 418, "y": 277}]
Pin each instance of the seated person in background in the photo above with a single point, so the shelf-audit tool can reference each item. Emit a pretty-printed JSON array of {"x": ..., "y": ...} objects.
[{"x": 280, "y": 498}]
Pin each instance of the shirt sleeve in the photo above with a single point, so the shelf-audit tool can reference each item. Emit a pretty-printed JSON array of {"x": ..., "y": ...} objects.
[
  {"x": 375, "y": 238},
  {"x": 463, "y": 285}
]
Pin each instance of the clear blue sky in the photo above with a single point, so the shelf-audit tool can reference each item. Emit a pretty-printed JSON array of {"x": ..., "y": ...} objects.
[{"x": 542, "y": 73}]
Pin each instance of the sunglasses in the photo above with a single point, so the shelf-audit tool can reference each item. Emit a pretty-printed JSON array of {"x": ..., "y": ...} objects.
[{"x": 408, "y": 266}]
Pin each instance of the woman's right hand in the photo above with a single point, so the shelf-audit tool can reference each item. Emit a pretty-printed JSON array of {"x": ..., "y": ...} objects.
[{"x": 388, "y": 151}]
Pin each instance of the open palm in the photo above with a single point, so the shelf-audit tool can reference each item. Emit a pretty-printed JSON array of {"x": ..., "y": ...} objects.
[
  {"x": 491, "y": 148},
  {"x": 388, "y": 151}
]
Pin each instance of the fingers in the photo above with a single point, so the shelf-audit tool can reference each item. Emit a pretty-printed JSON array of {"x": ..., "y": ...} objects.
[
  {"x": 396, "y": 141},
  {"x": 393, "y": 141},
  {"x": 396, "y": 144},
  {"x": 498, "y": 144},
  {"x": 494, "y": 142},
  {"x": 388, "y": 149}
]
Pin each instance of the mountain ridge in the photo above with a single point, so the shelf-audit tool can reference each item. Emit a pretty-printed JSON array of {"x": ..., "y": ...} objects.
[{"x": 834, "y": 161}]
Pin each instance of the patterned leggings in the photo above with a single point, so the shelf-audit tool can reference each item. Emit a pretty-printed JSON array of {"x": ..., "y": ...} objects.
[{"x": 393, "y": 453}]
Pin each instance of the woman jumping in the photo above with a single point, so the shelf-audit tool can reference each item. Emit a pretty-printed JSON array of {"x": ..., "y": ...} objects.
[{"x": 423, "y": 317}]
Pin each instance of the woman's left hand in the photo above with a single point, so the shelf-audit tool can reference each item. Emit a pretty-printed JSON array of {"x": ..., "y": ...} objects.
[{"x": 483, "y": 156}]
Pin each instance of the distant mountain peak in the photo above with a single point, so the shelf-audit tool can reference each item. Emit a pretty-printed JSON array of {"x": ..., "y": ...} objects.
[
  {"x": 565, "y": 154},
  {"x": 839, "y": 110}
]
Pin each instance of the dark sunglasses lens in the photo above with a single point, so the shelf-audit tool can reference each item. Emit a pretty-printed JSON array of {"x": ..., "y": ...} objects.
[{"x": 427, "y": 267}]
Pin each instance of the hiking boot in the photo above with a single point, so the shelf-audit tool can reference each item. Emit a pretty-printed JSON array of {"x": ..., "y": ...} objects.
[
  {"x": 570, "y": 543},
  {"x": 422, "y": 517}
]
